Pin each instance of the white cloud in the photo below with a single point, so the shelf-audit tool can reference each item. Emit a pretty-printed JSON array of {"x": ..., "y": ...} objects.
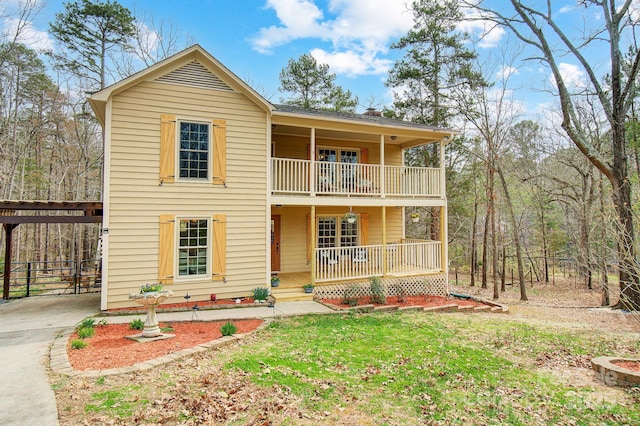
[
  {"x": 358, "y": 31},
  {"x": 506, "y": 72},
  {"x": 487, "y": 33},
  {"x": 27, "y": 34},
  {"x": 572, "y": 75},
  {"x": 351, "y": 62}
]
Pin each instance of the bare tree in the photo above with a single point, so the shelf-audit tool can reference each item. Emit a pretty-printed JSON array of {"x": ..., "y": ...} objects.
[{"x": 534, "y": 23}]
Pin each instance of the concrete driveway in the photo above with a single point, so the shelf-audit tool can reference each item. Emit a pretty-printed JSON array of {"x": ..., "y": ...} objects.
[{"x": 27, "y": 327}]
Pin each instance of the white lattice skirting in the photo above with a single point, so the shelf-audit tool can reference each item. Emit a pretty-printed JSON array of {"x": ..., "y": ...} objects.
[{"x": 432, "y": 285}]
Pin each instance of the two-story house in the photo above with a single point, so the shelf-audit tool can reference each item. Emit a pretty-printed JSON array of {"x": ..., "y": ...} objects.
[{"x": 211, "y": 189}]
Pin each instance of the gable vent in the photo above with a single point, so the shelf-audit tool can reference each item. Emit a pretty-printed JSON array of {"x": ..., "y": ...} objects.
[{"x": 196, "y": 75}]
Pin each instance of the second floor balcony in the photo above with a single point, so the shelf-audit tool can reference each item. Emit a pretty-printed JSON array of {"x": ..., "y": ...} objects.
[{"x": 340, "y": 179}]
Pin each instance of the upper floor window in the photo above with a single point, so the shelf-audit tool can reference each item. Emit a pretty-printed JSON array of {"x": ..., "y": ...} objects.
[{"x": 194, "y": 150}]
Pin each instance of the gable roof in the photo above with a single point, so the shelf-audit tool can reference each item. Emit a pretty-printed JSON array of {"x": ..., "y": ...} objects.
[{"x": 194, "y": 65}]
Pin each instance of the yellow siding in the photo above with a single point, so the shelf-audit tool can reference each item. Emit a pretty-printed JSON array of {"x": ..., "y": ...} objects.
[
  {"x": 297, "y": 147},
  {"x": 137, "y": 200}
]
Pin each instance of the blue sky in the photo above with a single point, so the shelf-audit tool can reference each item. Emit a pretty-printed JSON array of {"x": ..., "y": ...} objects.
[{"x": 256, "y": 38}]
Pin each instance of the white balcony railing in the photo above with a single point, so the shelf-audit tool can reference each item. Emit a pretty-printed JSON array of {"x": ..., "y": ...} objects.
[
  {"x": 376, "y": 260},
  {"x": 293, "y": 177}
]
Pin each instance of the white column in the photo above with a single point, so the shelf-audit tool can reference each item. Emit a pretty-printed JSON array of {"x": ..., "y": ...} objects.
[
  {"x": 382, "y": 166},
  {"x": 312, "y": 165},
  {"x": 443, "y": 178}
]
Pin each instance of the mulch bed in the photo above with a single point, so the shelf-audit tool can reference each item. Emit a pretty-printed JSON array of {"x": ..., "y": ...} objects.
[
  {"x": 425, "y": 301},
  {"x": 629, "y": 365},
  {"x": 109, "y": 347}
]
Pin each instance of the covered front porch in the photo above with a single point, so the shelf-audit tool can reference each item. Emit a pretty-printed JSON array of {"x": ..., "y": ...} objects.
[{"x": 322, "y": 246}]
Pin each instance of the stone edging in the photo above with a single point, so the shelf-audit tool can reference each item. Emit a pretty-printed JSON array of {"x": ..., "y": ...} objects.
[
  {"x": 491, "y": 307},
  {"x": 614, "y": 375},
  {"x": 59, "y": 360}
]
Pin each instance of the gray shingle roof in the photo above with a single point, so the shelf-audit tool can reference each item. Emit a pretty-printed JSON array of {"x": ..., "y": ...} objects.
[{"x": 383, "y": 121}]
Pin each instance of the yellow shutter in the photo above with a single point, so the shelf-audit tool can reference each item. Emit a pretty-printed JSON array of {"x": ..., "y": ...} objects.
[
  {"x": 166, "y": 249},
  {"x": 167, "y": 147},
  {"x": 219, "y": 151},
  {"x": 364, "y": 229},
  {"x": 219, "y": 250},
  {"x": 364, "y": 155}
]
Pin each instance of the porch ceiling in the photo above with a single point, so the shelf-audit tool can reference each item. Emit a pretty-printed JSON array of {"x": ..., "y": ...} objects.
[{"x": 405, "y": 137}]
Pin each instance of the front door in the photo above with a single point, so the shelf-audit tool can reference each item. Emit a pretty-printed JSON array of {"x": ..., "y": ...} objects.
[{"x": 275, "y": 243}]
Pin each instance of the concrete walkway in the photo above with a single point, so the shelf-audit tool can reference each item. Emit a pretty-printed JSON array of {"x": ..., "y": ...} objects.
[{"x": 28, "y": 326}]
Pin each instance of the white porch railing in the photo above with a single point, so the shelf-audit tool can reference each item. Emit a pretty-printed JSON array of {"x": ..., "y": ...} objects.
[
  {"x": 290, "y": 176},
  {"x": 409, "y": 181},
  {"x": 367, "y": 261}
]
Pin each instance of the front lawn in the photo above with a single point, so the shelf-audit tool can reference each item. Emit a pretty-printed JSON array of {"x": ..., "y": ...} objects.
[{"x": 381, "y": 368}]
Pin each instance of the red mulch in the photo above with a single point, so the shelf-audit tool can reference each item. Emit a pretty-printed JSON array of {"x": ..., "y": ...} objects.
[
  {"x": 426, "y": 301},
  {"x": 202, "y": 304},
  {"x": 108, "y": 348},
  {"x": 629, "y": 365}
]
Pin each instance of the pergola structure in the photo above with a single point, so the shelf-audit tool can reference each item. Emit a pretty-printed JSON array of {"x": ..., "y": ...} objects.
[{"x": 13, "y": 213}]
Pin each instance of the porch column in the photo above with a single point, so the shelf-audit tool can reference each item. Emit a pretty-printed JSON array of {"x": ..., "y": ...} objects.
[
  {"x": 312, "y": 218},
  {"x": 382, "y": 171},
  {"x": 443, "y": 178},
  {"x": 384, "y": 241},
  {"x": 312, "y": 164},
  {"x": 8, "y": 229}
]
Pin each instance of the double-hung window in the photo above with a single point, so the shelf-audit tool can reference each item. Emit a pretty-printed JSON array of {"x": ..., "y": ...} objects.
[
  {"x": 194, "y": 150},
  {"x": 336, "y": 232},
  {"x": 193, "y": 247}
]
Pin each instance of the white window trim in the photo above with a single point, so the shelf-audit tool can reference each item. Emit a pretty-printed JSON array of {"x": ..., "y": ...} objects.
[
  {"x": 176, "y": 254},
  {"x": 338, "y": 149},
  {"x": 209, "y": 154},
  {"x": 338, "y": 236}
]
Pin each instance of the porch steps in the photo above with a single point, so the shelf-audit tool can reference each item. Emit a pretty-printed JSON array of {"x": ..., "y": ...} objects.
[{"x": 290, "y": 294}]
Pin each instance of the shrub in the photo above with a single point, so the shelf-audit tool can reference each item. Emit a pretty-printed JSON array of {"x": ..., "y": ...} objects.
[
  {"x": 85, "y": 332},
  {"x": 260, "y": 293},
  {"x": 149, "y": 288},
  {"x": 350, "y": 296},
  {"x": 87, "y": 323},
  {"x": 228, "y": 329},
  {"x": 136, "y": 324},
  {"x": 168, "y": 328},
  {"x": 78, "y": 344},
  {"x": 377, "y": 291}
]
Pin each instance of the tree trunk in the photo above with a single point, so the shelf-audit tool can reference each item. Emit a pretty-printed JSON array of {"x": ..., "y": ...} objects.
[
  {"x": 516, "y": 237},
  {"x": 474, "y": 254}
]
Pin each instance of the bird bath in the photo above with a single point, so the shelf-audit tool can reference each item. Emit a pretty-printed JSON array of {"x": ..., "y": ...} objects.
[{"x": 151, "y": 300}]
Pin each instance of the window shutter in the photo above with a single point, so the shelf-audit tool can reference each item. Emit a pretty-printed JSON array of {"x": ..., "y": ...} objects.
[
  {"x": 167, "y": 148},
  {"x": 219, "y": 251},
  {"x": 166, "y": 249},
  {"x": 364, "y": 229},
  {"x": 364, "y": 155},
  {"x": 219, "y": 151}
]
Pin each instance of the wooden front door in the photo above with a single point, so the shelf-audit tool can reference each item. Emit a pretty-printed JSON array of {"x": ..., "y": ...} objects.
[{"x": 275, "y": 243}]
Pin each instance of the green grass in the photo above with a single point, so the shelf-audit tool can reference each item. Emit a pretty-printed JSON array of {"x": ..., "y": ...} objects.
[
  {"x": 120, "y": 402},
  {"x": 417, "y": 368}
]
